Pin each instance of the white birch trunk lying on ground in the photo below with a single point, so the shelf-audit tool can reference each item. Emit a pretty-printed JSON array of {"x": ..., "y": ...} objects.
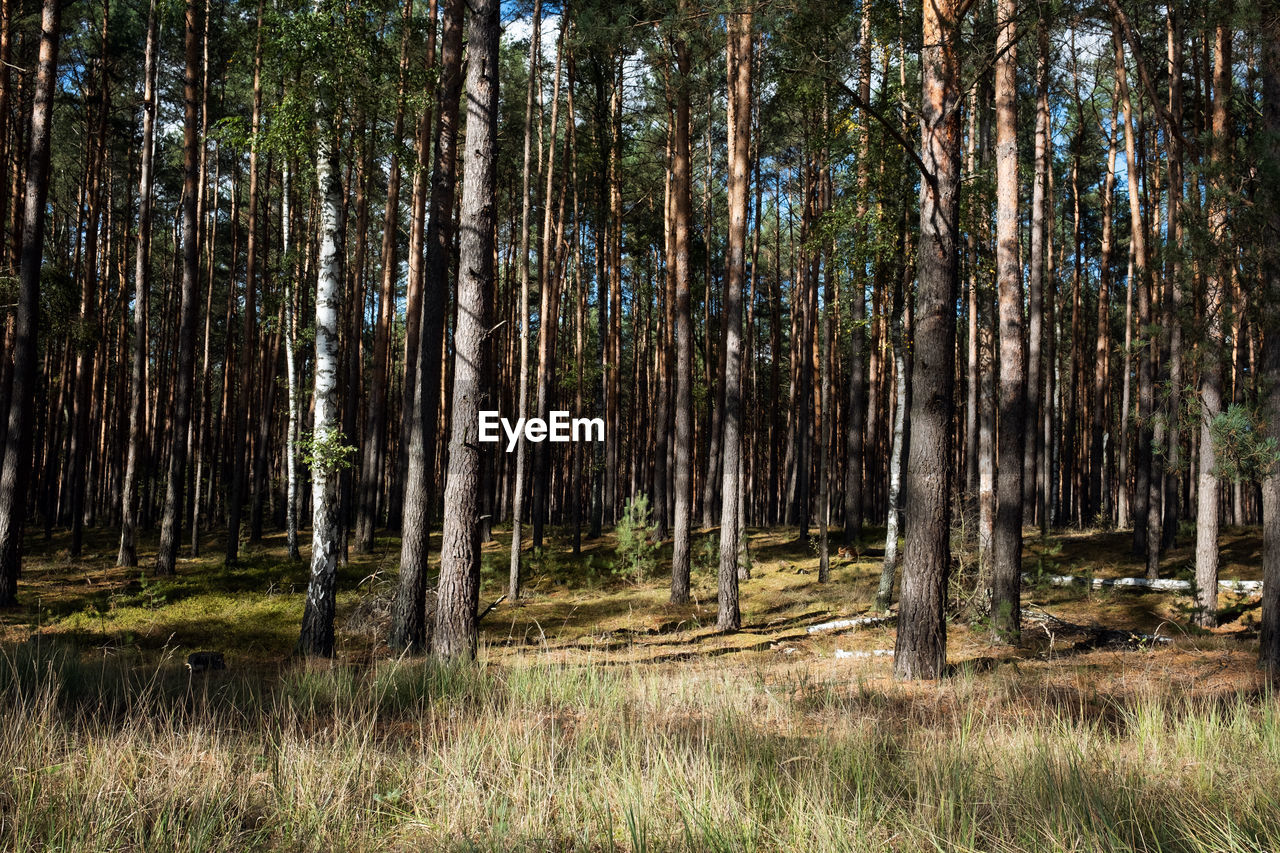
[
  {"x": 859, "y": 622},
  {"x": 1162, "y": 585}
]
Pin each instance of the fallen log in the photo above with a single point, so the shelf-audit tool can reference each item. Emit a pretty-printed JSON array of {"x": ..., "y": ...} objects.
[
  {"x": 874, "y": 653},
  {"x": 1159, "y": 585},
  {"x": 857, "y": 622}
]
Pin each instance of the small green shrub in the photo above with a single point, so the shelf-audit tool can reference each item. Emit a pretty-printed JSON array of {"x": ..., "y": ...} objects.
[
  {"x": 706, "y": 557},
  {"x": 637, "y": 556}
]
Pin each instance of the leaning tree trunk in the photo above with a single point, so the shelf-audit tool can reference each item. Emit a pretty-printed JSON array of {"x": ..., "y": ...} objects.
[
  {"x": 1006, "y": 568},
  {"x": 17, "y": 445},
  {"x": 128, "y": 555},
  {"x": 739, "y": 132},
  {"x": 455, "y": 623},
  {"x": 171, "y": 523},
  {"x": 921, "y": 650},
  {"x": 316, "y": 637}
]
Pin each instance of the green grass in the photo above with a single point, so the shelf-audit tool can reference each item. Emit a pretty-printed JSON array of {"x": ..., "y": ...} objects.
[{"x": 534, "y": 755}]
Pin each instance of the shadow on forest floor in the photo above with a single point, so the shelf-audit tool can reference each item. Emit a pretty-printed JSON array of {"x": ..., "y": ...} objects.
[{"x": 576, "y": 609}]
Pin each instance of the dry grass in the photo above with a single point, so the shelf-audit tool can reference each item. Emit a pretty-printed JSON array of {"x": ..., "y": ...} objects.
[{"x": 600, "y": 718}]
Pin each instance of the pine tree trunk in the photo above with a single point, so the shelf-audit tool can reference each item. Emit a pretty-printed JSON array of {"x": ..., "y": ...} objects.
[
  {"x": 249, "y": 323},
  {"x": 549, "y": 308},
  {"x": 171, "y": 522},
  {"x": 884, "y": 594},
  {"x": 455, "y": 623},
  {"x": 682, "y": 188},
  {"x": 18, "y": 438},
  {"x": 856, "y": 422},
  {"x": 1269, "y": 646},
  {"x": 1099, "y": 485},
  {"x": 134, "y": 460},
  {"x": 522, "y": 404},
  {"x": 1173, "y": 289},
  {"x": 413, "y": 294},
  {"x": 1141, "y": 283},
  {"x": 1035, "y": 277},
  {"x": 375, "y": 435},
  {"x": 1006, "y": 569},
  {"x": 409, "y": 627},
  {"x": 1217, "y": 281},
  {"x": 1123, "y": 503},
  {"x": 78, "y": 459},
  {"x": 921, "y": 649},
  {"x": 738, "y": 68}
]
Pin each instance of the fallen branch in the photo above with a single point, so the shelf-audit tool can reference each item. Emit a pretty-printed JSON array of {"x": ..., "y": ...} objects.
[
  {"x": 1095, "y": 637},
  {"x": 485, "y": 612}
]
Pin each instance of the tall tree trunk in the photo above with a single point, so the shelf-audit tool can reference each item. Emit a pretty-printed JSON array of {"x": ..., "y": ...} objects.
[
  {"x": 739, "y": 143},
  {"x": 134, "y": 460},
  {"x": 986, "y": 438},
  {"x": 375, "y": 437},
  {"x": 408, "y": 626},
  {"x": 921, "y": 650},
  {"x": 548, "y": 312},
  {"x": 1123, "y": 502},
  {"x": 316, "y": 637},
  {"x": 856, "y": 422},
  {"x": 248, "y": 326},
  {"x": 1006, "y": 569},
  {"x": 455, "y": 624},
  {"x": 1099, "y": 487},
  {"x": 1269, "y": 242},
  {"x": 884, "y": 594},
  {"x": 1173, "y": 288},
  {"x": 18, "y": 438},
  {"x": 79, "y": 457},
  {"x": 1216, "y": 283},
  {"x": 1035, "y": 273},
  {"x": 522, "y": 400},
  {"x": 682, "y": 188},
  {"x": 1142, "y": 475},
  {"x": 291, "y": 371},
  {"x": 413, "y": 295},
  {"x": 171, "y": 523}
]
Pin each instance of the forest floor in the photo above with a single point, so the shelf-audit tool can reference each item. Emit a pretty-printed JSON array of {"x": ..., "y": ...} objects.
[{"x": 604, "y": 718}]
